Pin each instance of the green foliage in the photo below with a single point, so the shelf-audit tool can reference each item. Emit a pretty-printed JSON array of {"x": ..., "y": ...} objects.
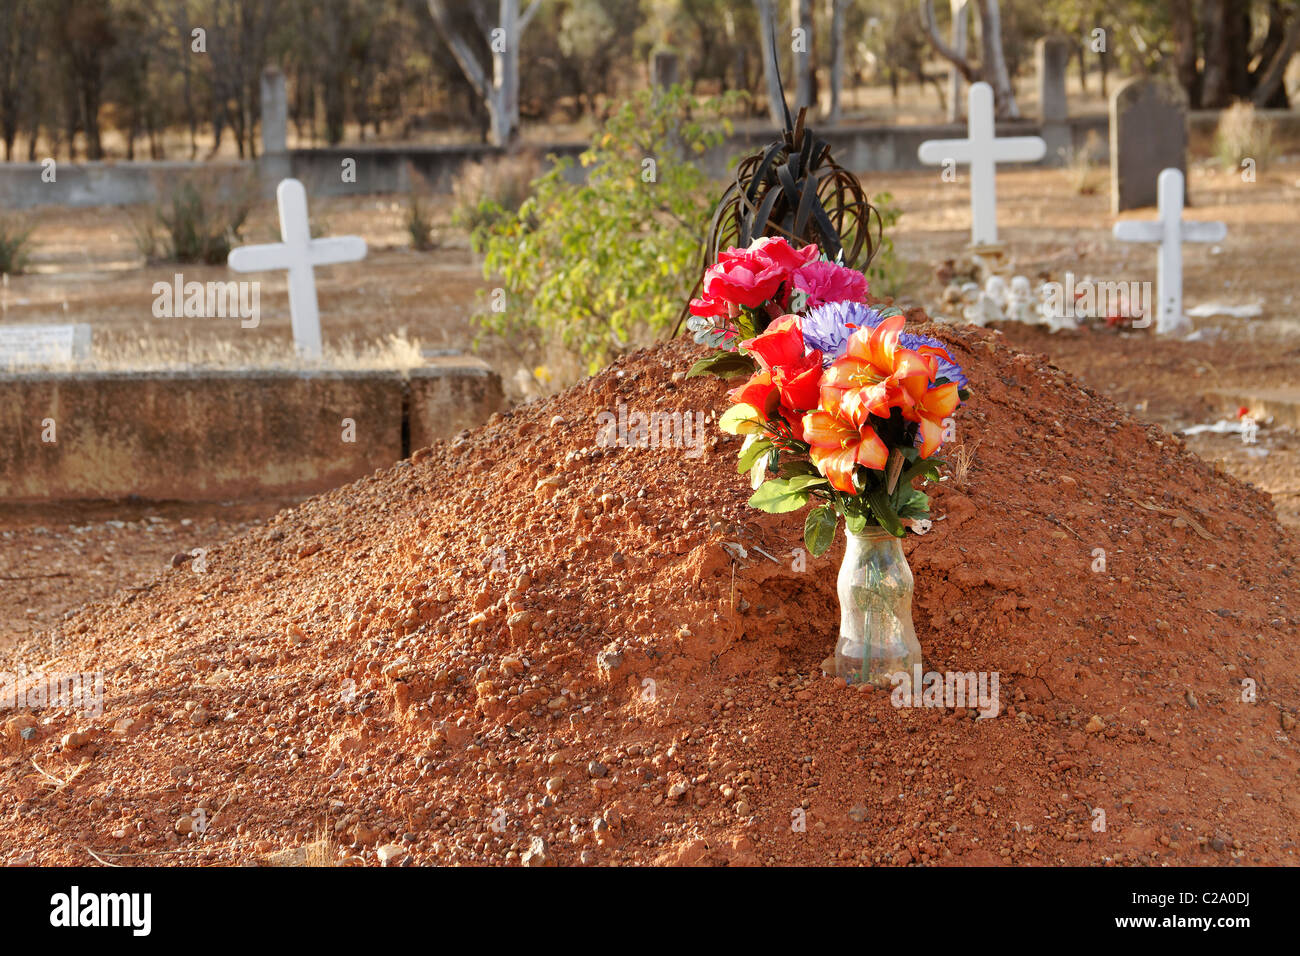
[
  {"x": 886, "y": 274},
  {"x": 779, "y": 495},
  {"x": 199, "y": 221},
  {"x": 418, "y": 220},
  {"x": 819, "y": 529},
  {"x": 603, "y": 265},
  {"x": 724, "y": 365},
  {"x": 490, "y": 193},
  {"x": 14, "y": 244}
]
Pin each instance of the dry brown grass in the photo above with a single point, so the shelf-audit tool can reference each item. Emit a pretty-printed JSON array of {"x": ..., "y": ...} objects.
[{"x": 396, "y": 351}]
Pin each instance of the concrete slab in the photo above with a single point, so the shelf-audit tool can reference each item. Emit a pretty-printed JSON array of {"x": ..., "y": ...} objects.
[{"x": 219, "y": 435}]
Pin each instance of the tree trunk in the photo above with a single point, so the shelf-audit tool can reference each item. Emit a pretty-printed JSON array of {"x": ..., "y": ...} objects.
[
  {"x": 767, "y": 28},
  {"x": 1270, "y": 91},
  {"x": 802, "y": 43},
  {"x": 995, "y": 64},
  {"x": 960, "y": 32},
  {"x": 1186, "y": 52},
  {"x": 836, "y": 10},
  {"x": 958, "y": 60},
  {"x": 1081, "y": 51},
  {"x": 1226, "y": 52},
  {"x": 504, "y": 103},
  {"x": 500, "y": 94}
]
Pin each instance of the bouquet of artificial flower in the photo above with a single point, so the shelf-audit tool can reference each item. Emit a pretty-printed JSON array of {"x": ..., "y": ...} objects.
[{"x": 841, "y": 405}]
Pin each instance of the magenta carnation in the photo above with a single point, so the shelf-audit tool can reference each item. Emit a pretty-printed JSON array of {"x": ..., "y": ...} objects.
[{"x": 826, "y": 282}]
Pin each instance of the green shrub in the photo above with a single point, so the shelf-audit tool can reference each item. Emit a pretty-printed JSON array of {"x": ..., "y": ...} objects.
[
  {"x": 199, "y": 221},
  {"x": 418, "y": 217},
  {"x": 15, "y": 235},
  {"x": 603, "y": 266},
  {"x": 486, "y": 193},
  {"x": 887, "y": 274}
]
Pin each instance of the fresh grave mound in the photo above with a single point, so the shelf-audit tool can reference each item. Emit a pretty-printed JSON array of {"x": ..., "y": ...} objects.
[{"x": 520, "y": 646}]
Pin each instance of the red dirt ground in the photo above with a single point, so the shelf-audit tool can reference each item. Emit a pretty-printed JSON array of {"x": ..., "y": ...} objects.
[{"x": 520, "y": 645}]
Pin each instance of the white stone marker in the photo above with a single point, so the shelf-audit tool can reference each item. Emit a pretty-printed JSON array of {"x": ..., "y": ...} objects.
[
  {"x": 298, "y": 253},
  {"x": 1171, "y": 231},
  {"x": 982, "y": 150},
  {"x": 43, "y": 344}
]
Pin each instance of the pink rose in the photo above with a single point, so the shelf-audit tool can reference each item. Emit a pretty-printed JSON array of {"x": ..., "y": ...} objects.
[
  {"x": 750, "y": 277},
  {"x": 781, "y": 255},
  {"x": 826, "y": 282}
]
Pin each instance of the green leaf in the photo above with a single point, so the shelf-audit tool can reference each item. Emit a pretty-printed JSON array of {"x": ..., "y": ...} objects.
[
  {"x": 915, "y": 504},
  {"x": 723, "y": 365},
  {"x": 883, "y": 511},
  {"x": 926, "y": 466},
  {"x": 791, "y": 467},
  {"x": 805, "y": 482},
  {"x": 819, "y": 529},
  {"x": 740, "y": 420},
  {"x": 754, "y": 449},
  {"x": 779, "y": 495}
]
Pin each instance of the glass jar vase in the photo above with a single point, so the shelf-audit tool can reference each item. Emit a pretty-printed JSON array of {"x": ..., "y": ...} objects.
[{"x": 877, "y": 638}]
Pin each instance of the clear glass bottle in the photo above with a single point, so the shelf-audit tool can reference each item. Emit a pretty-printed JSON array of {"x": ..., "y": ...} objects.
[{"x": 877, "y": 638}]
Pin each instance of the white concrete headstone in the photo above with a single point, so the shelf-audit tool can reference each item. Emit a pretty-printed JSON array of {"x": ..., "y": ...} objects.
[
  {"x": 1171, "y": 231},
  {"x": 1020, "y": 302},
  {"x": 982, "y": 150},
  {"x": 43, "y": 344},
  {"x": 298, "y": 253}
]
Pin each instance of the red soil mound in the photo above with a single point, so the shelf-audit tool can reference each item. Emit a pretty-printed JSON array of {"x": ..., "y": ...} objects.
[{"x": 518, "y": 635}]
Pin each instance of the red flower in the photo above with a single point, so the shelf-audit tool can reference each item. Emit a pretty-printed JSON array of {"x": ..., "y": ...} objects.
[
  {"x": 750, "y": 277},
  {"x": 781, "y": 255},
  {"x": 788, "y": 382}
]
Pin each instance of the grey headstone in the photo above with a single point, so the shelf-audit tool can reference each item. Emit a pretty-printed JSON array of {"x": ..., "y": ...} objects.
[
  {"x": 274, "y": 162},
  {"x": 275, "y": 112},
  {"x": 1052, "y": 56},
  {"x": 663, "y": 68},
  {"x": 1148, "y": 133},
  {"x": 24, "y": 345}
]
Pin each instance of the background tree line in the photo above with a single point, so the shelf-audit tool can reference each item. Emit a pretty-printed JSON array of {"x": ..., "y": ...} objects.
[{"x": 75, "y": 72}]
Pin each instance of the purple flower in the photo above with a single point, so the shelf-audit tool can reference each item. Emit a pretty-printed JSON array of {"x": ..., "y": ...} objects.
[
  {"x": 947, "y": 367},
  {"x": 829, "y": 326}
]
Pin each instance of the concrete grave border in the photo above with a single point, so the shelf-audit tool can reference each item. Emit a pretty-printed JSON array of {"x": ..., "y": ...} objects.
[{"x": 225, "y": 434}]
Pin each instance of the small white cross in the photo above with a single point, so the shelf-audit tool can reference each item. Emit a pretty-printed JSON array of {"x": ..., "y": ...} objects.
[
  {"x": 983, "y": 150},
  {"x": 1171, "y": 231},
  {"x": 298, "y": 253}
]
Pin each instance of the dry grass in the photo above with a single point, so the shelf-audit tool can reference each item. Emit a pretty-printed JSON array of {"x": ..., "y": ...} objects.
[
  {"x": 962, "y": 458},
  {"x": 1080, "y": 165},
  {"x": 396, "y": 351},
  {"x": 483, "y": 192},
  {"x": 1243, "y": 135}
]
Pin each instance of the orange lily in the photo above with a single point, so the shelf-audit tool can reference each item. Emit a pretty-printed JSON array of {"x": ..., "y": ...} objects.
[
  {"x": 873, "y": 358},
  {"x": 839, "y": 437},
  {"x": 930, "y": 410}
]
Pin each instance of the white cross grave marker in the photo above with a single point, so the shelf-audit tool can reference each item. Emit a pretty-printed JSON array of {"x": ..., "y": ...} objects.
[
  {"x": 1171, "y": 231},
  {"x": 982, "y": 150},
  {"x": 298, "y": 253}
]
